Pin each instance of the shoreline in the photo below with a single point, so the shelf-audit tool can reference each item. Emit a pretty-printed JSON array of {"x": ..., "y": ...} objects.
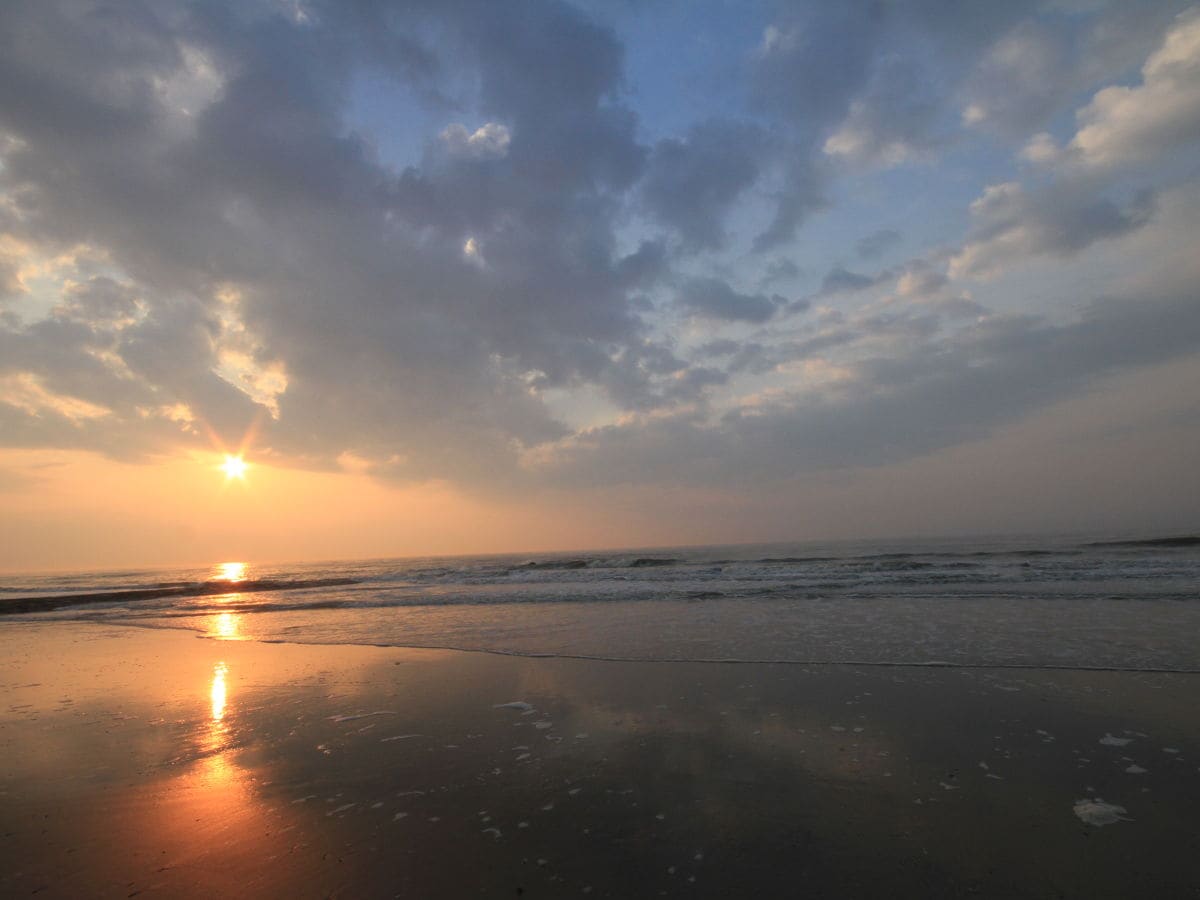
[
  {"x": 21, "y": 605},
  {"x": 139, "y": 760},
  {"x": 601, "y": 658}
]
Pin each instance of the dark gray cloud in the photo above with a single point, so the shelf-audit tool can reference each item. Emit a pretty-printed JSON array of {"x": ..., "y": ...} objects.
[
  {"x": 715, "y": 299},
  {"x": 841, "y": 281},
  {"x": 1011, "y": 224},
  {"x": 719, "y": 347},
  {"x": 99, "y": 300},
  {"x": 898, "y": 118},
  {"x": 1021, "y": 81},
  {"x": 397, "y": 342},
  {"x": 939, "y": 393},
  {"x": 692, "y": 183},
  {"x": 838, "y": 280},
  {"x": 781, "y": 269}
]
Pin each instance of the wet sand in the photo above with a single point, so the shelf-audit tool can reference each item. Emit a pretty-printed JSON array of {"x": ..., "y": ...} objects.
[{"x": 136, "y": 762}]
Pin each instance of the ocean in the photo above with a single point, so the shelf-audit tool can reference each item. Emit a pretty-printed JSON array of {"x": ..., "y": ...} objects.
[{"x": 1090, "y": 602}]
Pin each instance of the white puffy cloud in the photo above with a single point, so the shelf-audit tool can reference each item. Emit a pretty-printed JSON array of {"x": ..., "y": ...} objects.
[
  {"x": 488, "y": 141},
  {"x": 1041, "y": 149},
  {"x": 1124, "y": 125},
  {"x": 1121, "y": 132}
]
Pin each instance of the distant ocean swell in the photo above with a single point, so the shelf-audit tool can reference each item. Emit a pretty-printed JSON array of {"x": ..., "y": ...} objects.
[{"x": 1099, "y": 603}]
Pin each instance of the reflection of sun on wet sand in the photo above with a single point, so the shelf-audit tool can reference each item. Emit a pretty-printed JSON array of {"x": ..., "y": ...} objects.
[
  {"x": 151, "y": 773},
  {"x": 226, "y": 625},
  {"x": 245, "y": 769},
  {"x": 218, "y": 692},
  {"x": 218, "y": 776}
]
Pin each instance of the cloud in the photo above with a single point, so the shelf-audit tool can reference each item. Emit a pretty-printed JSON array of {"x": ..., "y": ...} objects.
[
  {"x": 894, "y": 121},
  {"x": 26, "y": 392},
  {"x": 691, "y": 183},
  {"x": 1127, "y": 125},
  {"x": 800, "y": 193},
  {"x": 1009, "y": 225},
  {"x": 352, "y": 276},
  {"x": 877, "y": 242},
  {"x": 100, "y": 301},
  {"x": 906, "y": 377},
  {"x": 863, "y": 83},
  {"x": 805, "y": 71},
  {"x": 1121, "y": 130},
  {"x": 488, "y": 141},
  {"x": 1020, "y": 82},
  {"x": 839, "y": 280},
  {"x": 11, "y": 256},
  {"x": 927, "y": 284},
  {"x": 715, "y": 299},
  {"x": 920, "y": 280},
  {"x": 198, "y": 234},
  {"x": 940, "y": 393}
]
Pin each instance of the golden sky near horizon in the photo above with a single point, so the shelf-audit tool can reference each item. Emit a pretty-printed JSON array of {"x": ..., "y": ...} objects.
[{"x": 79, "y": 510}]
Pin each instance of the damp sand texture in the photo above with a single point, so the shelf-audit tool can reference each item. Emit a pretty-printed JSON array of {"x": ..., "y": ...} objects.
[{"x": 144, "y": 762}]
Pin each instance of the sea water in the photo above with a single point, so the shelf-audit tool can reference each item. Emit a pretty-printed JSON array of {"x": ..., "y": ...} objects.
[{"x": 1072, "y": 602}]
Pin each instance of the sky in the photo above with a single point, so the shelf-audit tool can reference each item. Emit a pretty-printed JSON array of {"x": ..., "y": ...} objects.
[{"x": 478, "y": 276}]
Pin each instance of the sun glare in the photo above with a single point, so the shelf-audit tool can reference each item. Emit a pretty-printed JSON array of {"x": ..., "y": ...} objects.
[
  {"x": 231, "y": 571},
  {"x": 234, "y": 467}
]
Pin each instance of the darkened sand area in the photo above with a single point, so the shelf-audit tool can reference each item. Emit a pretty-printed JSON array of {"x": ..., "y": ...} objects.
[{"x": 136, "y": 762}]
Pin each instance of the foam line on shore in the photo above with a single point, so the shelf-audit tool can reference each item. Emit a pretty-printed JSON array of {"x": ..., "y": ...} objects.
[{"x": 756, "y": 661}]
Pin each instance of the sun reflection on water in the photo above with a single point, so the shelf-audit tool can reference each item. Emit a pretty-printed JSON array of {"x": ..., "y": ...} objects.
[{"x": 231, "y": 571}]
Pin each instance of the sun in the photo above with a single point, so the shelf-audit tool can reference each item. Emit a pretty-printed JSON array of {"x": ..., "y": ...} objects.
[{"x": 234, "y": 467}]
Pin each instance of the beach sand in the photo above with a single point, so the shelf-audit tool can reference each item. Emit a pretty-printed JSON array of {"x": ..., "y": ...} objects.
[{"x": 139, "y": 762}]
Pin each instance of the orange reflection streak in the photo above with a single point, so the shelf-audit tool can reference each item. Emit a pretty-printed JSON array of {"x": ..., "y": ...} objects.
[
  {"x": 217, "y": 769},
  {"x": 226, "y": 626},
  {"x": 217, "y": 692}
]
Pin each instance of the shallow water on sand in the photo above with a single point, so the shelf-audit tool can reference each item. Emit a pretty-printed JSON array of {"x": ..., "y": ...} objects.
[{"x": 1083, "y": 601}]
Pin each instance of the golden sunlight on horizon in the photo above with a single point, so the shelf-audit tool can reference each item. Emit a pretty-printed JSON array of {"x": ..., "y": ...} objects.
[{"x": 172, "y": 511}]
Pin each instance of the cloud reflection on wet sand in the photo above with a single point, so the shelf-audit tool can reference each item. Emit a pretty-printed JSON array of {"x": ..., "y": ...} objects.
[{"x": 204, "y": 766}]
